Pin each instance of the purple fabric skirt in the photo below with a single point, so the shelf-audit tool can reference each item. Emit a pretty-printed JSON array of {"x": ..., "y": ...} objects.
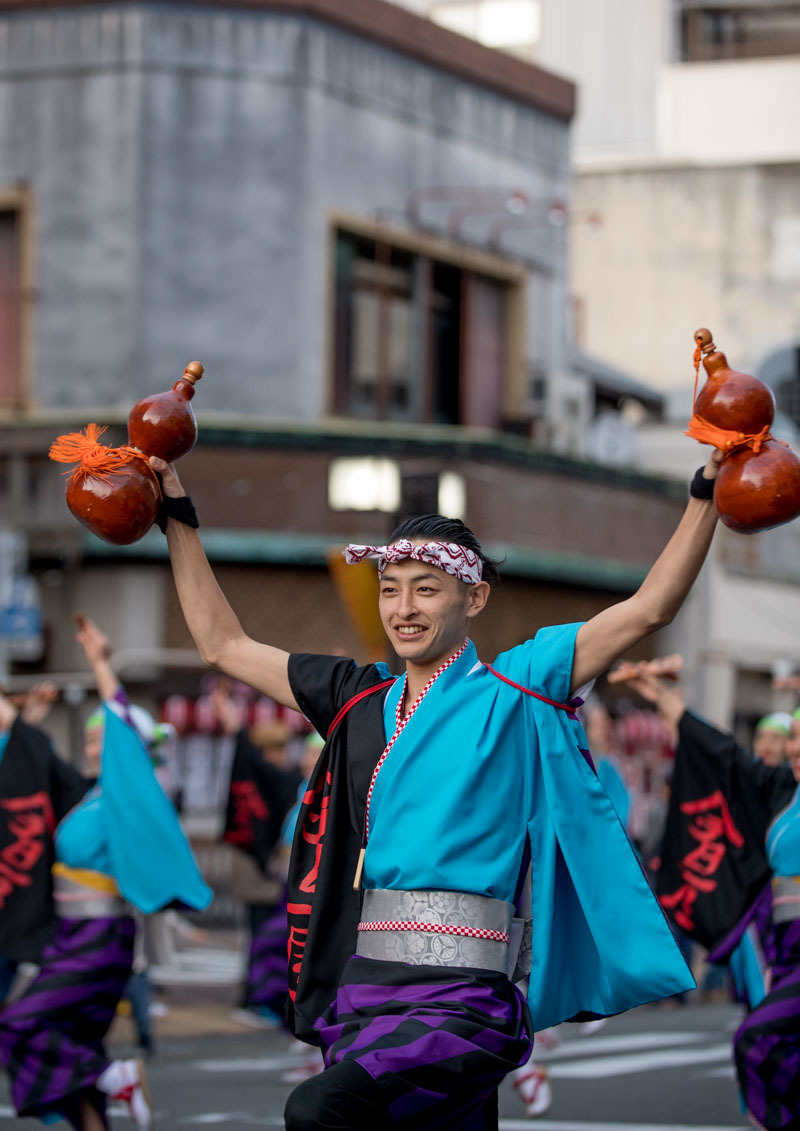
[
  {"x": 436, "y": 1040},
  {"x": 267, "y": 979},
  {"x": 766, "y": 1047},
  {"x": 51, "y": 1039}
]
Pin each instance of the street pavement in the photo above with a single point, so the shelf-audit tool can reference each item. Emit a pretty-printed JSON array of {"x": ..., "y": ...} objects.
[{"x": 653, "y": 1069}]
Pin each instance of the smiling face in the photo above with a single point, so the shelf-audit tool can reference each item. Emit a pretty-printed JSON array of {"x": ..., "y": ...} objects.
[
  {"x": 426, "y": 612},
  {"x": 793, "y": 748}
]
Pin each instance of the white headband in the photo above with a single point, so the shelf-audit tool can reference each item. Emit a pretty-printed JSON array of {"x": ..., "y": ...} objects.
[{"x": 449, "y": 556}]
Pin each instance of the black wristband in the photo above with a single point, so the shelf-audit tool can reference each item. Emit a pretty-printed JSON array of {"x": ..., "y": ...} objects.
[
  {"x": 182, "y": 510},
  {"x": 700, "y": 487}
]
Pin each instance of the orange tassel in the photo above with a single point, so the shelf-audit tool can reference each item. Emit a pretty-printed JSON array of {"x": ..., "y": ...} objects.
[
  {"x": 724, "y": 439},
  {"x": 92, "y": 457}
]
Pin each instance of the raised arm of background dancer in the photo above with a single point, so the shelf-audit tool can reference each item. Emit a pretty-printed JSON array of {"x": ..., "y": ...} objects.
[
  {"x": 97, "y": 650},
  {"x": 665, "y": 695},
  {"x": 226, "y": 708},
  {"x": 215, "y": 628},
  {"x": 611, "y": 633},
  {"x": 695, "y": 736}
]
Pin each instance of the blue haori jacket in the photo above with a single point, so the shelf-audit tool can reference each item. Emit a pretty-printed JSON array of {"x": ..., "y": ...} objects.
[{"x": 601, "y": 944}]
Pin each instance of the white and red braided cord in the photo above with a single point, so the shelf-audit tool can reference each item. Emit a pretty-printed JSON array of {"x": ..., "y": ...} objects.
[
  {"x": 401, "y": 722},
  {"x": 434, "y": 929}
]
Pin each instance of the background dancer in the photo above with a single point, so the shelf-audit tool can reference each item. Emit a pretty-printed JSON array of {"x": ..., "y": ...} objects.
[
  {"x": 477, "y": 766},
  {"x": 769, "y": 739},
  {"x": 761, "y": 808},
  {"x": 120, "y": 846},
  {"x": 263, "y": 787},
  {"x": 37, "y": 789}
]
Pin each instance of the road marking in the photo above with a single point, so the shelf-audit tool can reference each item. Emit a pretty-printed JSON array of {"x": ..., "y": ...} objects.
[
  {"x": 571, "y": 1125},
  {"x": 602, "y": 1066},
  {"x": 728, "y": 1071},
  {"x": 226, "y": 1117},
  {"x": 505, "y": 1124},
  {"x": 202, "y": 965},
  {"x": 594, "y": 1046},
  {"x": 245, "y": 1064}
]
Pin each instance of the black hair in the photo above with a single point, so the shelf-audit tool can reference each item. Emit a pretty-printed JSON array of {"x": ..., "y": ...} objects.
[{"x": 441, "y": 529}]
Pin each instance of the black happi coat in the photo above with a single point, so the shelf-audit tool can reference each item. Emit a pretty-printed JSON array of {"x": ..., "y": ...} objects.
[
  {"x": 37, "y": 788},
  {"x": 259, "y": 797},
  {"x": 324, "y": 909},
  {"x": 713, "y": 860}
]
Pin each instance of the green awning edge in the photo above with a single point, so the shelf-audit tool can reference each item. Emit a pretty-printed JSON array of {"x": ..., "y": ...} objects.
[{"x": 251, "y": 547}]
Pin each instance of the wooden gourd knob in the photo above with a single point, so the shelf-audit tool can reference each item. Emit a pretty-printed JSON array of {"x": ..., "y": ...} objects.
[
  {"x": 704, "y": 339},
  {"x": 193, "y": 371}
]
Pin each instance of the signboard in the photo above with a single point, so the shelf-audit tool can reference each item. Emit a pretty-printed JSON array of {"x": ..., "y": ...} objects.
[{"x": 21, "y": 625}]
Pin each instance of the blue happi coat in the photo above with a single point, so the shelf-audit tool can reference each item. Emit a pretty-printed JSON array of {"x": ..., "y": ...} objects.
[{"x": 482, "y": 770}]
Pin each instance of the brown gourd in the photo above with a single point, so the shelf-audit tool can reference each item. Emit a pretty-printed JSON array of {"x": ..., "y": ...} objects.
[
  {"x": 120, "y": 506},
  {"x": 758, "y": 484},
  {"x": 163, "y": 424},
  {"x": 113, "y": 491}
]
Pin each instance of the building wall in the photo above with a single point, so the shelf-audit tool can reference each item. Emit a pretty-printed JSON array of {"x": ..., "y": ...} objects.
[
  {"x": 682, "y": 247},
  {"x": 614, "y": 48},
  {"x": 183, "y": 162},
  {"x": 70, "y": 101},
  {"x": 728, "y": 111}
]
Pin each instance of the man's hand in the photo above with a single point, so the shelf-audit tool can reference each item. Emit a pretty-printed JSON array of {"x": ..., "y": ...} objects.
[
  {"x": 170, "y": 483},
  {"x": 654, "y": 680},
  {"x": 713, "y": 464},
  {"x": 95, "y": 643},
  {"x": 37, "y": 703}
]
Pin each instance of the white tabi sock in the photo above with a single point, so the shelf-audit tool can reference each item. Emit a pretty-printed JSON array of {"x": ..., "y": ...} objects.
[{"x": 119, "y": 1075}]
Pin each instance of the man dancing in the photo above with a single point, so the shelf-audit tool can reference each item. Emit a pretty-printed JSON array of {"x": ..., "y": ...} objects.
[{"x": 435, "y": 791}]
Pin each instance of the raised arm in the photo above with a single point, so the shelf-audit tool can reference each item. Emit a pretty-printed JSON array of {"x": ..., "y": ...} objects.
[
  {"x": 655, "y": 681},
  {"x": 97, "y": 651},
  {"x": 737, "y": 770},
  {"x": 611, "y": 633},
  {"x": 215, "y": 628}
]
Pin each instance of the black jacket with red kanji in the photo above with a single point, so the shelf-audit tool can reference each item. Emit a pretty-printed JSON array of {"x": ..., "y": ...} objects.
[
  {"x": 37, "y": 789},
  {"x": 324, "y": 909}
]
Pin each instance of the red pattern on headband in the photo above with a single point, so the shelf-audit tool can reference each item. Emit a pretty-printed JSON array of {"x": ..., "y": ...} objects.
[{"x": 448, "y": 556}]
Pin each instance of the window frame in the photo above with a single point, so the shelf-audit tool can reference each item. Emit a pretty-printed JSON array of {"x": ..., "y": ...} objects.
[
  {"x": 18, "y": 200},
  {"x": 694, "y": 47},
  {"x": 432, "y": 247}
]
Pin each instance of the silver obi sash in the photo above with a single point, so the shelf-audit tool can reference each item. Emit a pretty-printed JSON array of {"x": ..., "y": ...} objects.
[
  {"x": 785, "y": 898},
  {"x": 83, "y": 894},
  {"x": 443, "y": 928}
]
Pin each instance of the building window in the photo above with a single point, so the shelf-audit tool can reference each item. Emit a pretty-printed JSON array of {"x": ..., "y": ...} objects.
[
  {"x": 11, "y": 306},
  {"x": 738, "y": 30},
  {"x": 417, "y": 339}
]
